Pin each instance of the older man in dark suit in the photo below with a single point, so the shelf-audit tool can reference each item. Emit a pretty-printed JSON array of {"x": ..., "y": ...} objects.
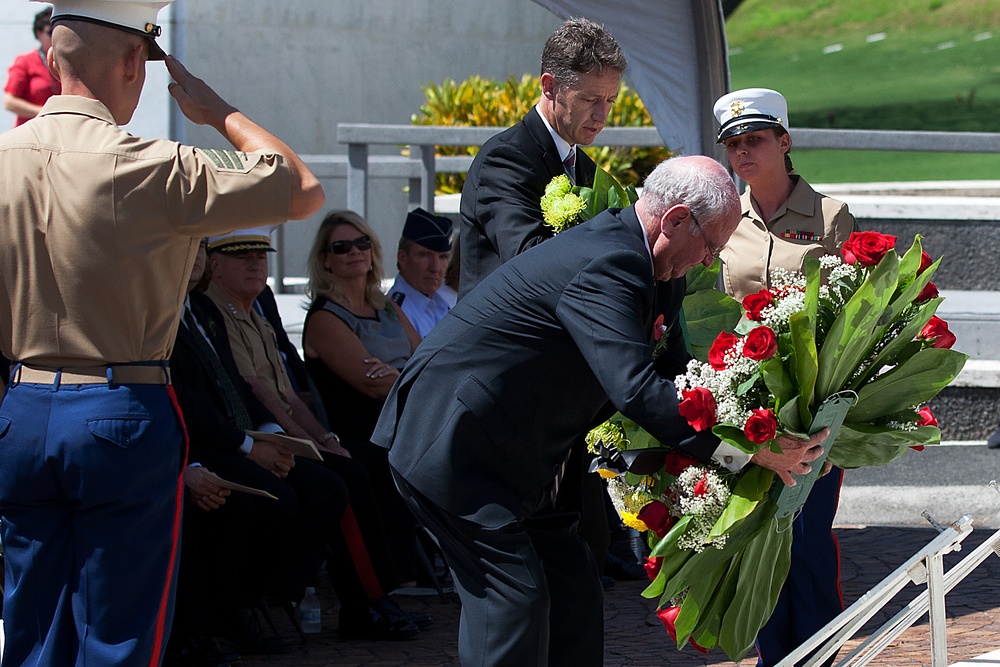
[
  {"x": 582, "y": 66},
  {"x": 493, "y": 400}
]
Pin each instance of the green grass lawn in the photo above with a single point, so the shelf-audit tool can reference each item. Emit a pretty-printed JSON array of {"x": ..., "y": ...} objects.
[{"x": 931, "y": 70}]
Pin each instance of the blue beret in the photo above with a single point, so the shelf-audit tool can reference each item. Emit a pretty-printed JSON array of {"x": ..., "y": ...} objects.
[{"x": 431, "y": 231}]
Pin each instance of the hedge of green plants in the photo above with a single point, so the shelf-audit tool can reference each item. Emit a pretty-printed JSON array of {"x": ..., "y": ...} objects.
[{"x": 486, "y": 102}]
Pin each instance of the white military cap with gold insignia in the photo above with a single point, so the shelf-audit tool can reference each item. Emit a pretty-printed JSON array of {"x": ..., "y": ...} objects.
[
  {"x": 256, "y": 239},
  {"x": 137, "y": 16},
  {"x": 749, "y": 110}
]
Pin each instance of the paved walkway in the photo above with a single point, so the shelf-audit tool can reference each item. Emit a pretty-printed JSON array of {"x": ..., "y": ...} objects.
[{"x": 634, "y": 636}]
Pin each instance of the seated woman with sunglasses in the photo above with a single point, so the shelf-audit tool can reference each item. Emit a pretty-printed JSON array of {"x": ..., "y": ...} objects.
[{"x": 355, "y": 342}]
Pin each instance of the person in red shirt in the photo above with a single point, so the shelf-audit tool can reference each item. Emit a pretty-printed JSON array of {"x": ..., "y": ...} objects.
[{"x": 29, "y": 82}]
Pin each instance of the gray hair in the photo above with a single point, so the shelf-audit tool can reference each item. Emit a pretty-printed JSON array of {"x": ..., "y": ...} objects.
[
  {"x": 580, "y": 46},
  {"x": 693, "y": 181}
]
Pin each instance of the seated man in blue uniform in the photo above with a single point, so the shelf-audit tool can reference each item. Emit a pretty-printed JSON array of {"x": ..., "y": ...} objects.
[
  {"x": 487, "y": 409},
  {"x": 422, "y": 260},
  {"x": 100, "y": 231}
]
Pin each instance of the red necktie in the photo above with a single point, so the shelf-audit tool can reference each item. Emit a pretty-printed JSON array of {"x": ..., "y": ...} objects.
[{"x": 569, "y": 164}]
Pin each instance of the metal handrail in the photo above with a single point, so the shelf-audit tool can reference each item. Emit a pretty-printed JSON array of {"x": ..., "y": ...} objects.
[
  {"x": 422, "y": 165},
  {"x": 423, "y": 140}
]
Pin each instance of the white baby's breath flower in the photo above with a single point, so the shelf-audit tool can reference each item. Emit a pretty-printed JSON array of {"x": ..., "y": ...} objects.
[{"x": 701, "y": 494}]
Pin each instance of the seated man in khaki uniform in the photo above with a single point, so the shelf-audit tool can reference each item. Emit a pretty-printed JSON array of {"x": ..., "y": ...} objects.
[
  {"x": 238, "y": 263},
  {"x": 100, "y": 231}
]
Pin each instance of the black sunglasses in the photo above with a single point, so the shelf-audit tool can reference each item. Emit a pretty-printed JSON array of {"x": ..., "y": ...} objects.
[{"x": 344, "y": 247}]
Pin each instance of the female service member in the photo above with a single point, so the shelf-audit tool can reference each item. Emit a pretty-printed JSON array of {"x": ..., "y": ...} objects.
[{"x": 784, "y": 221}]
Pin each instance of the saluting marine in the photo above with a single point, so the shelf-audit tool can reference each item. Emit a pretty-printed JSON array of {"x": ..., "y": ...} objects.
[{"x": 100, "y": 233}]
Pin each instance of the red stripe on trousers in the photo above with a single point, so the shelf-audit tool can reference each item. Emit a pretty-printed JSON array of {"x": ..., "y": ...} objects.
[
  {"x": 161, "y": 615},
  {"x": 359, "y": 554}
]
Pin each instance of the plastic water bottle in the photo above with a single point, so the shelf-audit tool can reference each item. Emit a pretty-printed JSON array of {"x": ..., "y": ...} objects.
[{"x": 310, "y": 612}]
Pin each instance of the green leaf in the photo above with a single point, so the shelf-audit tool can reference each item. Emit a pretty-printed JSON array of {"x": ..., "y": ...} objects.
[
  {"x": 851, "y": 335},
  {"x": 602, "y": 183},
  {"x": 701, "y": 277},
  {"x": 705, "y": 313},
  {"x": 862, "y": 445},
  {"x": 909, "y": 263},
  {"x": 747, "y": 385},
  {"x": 706, "y": 632},
  {"x": 673, "y": 560},
  {"x": 698, "y": 600},
  {"x": 631, "y": 193},
  {"x": 893, "y": 352},
  {"x": 811, "y": 304},
  {"x": 746, "y": 493},
  {"x": 788, "y": 416},
  {"x": 919, "y": 379},
  {"x": 805, "y": 365},
  {"x": 735, "y": 437},
  {"x": 638, "y": 437},
  {"x": 668, "y": 540},
  {"x": 777, "y": 379},
  {"x": 765, "y": 564},
  {"x": 699, "y": 563}
]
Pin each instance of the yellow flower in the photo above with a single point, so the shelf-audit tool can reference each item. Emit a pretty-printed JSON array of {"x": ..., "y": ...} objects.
[
  {"x": 607, "y": 474},
  {"x": 632, "y": 521}
]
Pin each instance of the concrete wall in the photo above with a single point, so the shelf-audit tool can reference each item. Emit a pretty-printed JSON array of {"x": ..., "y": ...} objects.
[
  {"x": 152, "y": 117},
  {"x": 299, "y": 68}
]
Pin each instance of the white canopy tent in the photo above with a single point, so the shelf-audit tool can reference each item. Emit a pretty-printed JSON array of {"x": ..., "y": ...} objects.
[{"x": 677, "y": 60}]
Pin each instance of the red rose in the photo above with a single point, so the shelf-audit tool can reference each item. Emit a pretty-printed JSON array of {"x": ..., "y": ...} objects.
[
  {"x": 927, "y": 417},
  {"x": 760, "y": 344},
  {"x": 698, "y": 407},
  {"x": 867, "y": 248},
  {"x": 717, "y": 353},
  {"x": 936, "y": 333},
  {"x": 657, "y": 518},
  {"x": 753, "y": 304},
  {"x": 925, "y": 262},
  {"x": 652, "y": 567},
  {"x": 761, "y": 426},
  {"x": 668, "y": 617},
  {"x": 930, "y": 291},
  {"x": 917, "y": 448},
  {"x": 658, "y": 327},
  {"x": 701, "y": 488},
  {"x": 675, "y": 463}
]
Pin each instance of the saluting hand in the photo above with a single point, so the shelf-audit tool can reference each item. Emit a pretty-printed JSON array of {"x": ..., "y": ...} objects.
[{"x": 198, "y": 102}]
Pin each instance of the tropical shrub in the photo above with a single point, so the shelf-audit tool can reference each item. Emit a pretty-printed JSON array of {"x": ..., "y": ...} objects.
[{"x": 480, "y": 102}]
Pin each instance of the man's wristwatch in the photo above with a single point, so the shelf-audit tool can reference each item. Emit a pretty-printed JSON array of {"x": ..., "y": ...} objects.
[{"x": 327, "y": 437}]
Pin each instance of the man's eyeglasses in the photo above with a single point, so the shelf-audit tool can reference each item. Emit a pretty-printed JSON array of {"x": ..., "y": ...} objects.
[
  {"x": 344, "y": 247},
  {"x": 712, "y": 249}
]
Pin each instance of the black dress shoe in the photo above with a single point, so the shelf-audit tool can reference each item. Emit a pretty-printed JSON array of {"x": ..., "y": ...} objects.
[
  {"x": 243, "y": 629},
  {"x": 375, "y": 625},
  {"x": 993, "y": 442},
  {"x": 392, "y": 610}
]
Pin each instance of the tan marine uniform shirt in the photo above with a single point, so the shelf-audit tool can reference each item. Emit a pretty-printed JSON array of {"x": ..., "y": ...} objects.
[
  {"x": 255, "y": 347},
  {"x": 99, "y": 230},
  {"x": 808, "y": 225}
]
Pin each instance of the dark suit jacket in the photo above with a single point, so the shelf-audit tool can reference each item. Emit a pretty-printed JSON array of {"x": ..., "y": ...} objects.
[
  {"x": 202, "y": 401},
  {"x": 501, "y": 200},
  {"x": 545, "y": 348}
]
